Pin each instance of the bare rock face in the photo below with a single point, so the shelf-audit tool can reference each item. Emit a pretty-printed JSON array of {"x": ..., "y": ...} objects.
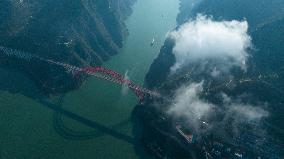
[{"x": 78, "y": 32}]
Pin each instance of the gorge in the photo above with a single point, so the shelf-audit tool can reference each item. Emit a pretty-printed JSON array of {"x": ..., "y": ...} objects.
[{"x": 78, "y": 32}]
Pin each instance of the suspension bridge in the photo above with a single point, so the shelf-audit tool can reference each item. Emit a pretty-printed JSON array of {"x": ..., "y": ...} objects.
[{"x": 98, "y": 72}]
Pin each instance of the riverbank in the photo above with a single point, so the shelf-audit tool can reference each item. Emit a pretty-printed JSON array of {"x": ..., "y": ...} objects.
[{"x": 95, "y": 120}]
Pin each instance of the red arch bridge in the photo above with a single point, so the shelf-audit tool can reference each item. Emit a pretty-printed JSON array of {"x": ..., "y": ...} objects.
[{"x": 98, "y": 72}]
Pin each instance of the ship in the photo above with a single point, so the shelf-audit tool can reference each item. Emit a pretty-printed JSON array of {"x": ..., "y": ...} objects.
[{"x": 153, "y": 42}]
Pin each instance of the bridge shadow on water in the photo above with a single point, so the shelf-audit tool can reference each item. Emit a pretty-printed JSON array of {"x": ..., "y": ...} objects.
[
  {"x": 86, "y": 122},
  {"x": 16, "y": 83},
  {"x": 71, "y": 134}
]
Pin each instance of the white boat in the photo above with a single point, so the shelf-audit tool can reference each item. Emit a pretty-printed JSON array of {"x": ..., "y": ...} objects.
[{"x": 153, "y": 42}]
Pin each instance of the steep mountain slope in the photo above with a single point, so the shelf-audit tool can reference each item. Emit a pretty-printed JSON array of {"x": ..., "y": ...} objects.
[
  {"x": 265, "y": 20},
  {"x": 79, "y": 32},
  {"x": 261, "y": 84}
]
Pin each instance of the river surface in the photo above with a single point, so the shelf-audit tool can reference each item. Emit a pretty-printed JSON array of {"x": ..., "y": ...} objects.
[{"x": 95, "y": 120}]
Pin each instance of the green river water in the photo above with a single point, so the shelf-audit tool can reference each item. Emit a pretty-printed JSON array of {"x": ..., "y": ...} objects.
[{"x": 95, "y": 120}]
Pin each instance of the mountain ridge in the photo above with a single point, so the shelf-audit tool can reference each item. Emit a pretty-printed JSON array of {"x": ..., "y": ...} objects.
[{"x": 80, "y": 32}]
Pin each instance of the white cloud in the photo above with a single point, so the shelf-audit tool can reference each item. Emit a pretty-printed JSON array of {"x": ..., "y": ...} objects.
[
  {"x": 246, "y": 113},
  {"x": 187, "y": 102},
  {"x": 224, "y": 42},
  {"x": 189, "y": 105},
  {"x": 215, "y": 72},
  {"x": 212, "y": 48},
  {"x": 243, "y": 112}
]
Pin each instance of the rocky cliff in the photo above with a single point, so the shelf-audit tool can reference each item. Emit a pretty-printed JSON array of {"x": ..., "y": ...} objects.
[{"x": 78, "y": 32}]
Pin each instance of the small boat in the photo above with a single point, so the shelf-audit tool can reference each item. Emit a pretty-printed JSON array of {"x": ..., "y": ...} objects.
[{"x": 153, "y": 42}]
